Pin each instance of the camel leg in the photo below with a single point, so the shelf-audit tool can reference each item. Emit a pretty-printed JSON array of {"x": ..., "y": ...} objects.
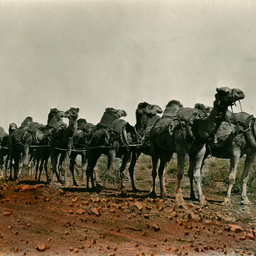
[
  {"x": 245, "y": 177},
  {"x": 92, "y": 160},
  {"x": 232, "y": 175},
  {"x": 54, "y": 159},
  {"x": 125, "y": 160},
  {"x": 83, "y": 156},
  {"x": 181, "y": 166},
  {"x": 15, "y": 167},
  {"x": 25, "y": 167},
  {"x": 72, "y": 167},
  {"x": 135, "y": 156},
  {"x": 161, "y": 176},
  {"x": 191, "y": 179},
  {"x": 155, "y": 160},
  {"x": 198, "y": 159},
  {"x": 37, "y": 168}
]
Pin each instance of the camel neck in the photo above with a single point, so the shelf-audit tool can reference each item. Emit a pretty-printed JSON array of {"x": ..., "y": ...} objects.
[{"x": 207, "y": 127}]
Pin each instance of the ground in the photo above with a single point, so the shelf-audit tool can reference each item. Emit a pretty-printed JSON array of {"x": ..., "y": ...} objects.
[{"x": 41, "y": 219}]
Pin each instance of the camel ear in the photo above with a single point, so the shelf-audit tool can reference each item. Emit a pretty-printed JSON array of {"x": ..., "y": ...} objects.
[
  {"x": 108, "y": 109},
  {"x": 77, "y": 110},
  {"x": 223, "y": 90}
]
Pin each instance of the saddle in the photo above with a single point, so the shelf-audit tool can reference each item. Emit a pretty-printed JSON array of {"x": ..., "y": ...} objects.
[
  {"x": 127, "y": 133},
  {"x": 185, "y": 117}
]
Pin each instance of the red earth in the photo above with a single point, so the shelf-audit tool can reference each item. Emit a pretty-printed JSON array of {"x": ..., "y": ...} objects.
[{"x": 41, "y": 219}]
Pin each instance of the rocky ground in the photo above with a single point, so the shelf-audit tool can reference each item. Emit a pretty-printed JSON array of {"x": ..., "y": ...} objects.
[{"x": 40, "y": 219}]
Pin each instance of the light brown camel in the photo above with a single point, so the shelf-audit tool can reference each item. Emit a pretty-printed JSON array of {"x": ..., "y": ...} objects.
[
  {"x": 188, "y": 133},
  {"x": 234, "y": 139}
]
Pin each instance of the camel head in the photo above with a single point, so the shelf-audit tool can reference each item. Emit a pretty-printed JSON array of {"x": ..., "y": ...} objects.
[
  {"x": 148, "y": 109},
  {"x": 144, "y": 113},
  {"x": 72, "y": 113},
  {"x": 55, "y": 114},
  {"x": 12, "y": 127},
  {"x": 117, "y": 113},
  {"x": 226, "y": 97}
]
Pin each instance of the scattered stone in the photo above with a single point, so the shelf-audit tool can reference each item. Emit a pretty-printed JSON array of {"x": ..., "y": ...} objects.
[
  {"x": 190, "y": 205},
  {"x": 7, "y": 213},
  {"x": 235, "y": 228},
  {"x": 61, "y": 192},
  {"x": 41, "y": 247},
  {"x": 155, "y": 227},
  {"x": 80, "y": 212},
  {"x": 95, "y": 211},
  {"x": 208, "y": 222},
  {"x": 139, "y": 206}
]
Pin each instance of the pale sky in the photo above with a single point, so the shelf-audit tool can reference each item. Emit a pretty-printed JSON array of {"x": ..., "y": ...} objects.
[{"x": 117, "y": 53}]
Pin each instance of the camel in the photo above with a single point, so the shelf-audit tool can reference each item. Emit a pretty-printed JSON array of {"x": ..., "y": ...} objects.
[
  {"x": 61, "y": 143},
  {"x": 3, "y": 139},
  {"x": 4, "y": 150},
  {"x": 19, "y": 143},
  {"x": 123, "y": 138},
  {"x": 234, "y": 139},
  {"x": 103, "y": 140},
  {"x": 31, "y": 134},
  {"x": 80, "y": 145},
  {"x": 42, "y": 153},
  {"x": 188, "y": 132},
  {"x": 145, "y": 119}
]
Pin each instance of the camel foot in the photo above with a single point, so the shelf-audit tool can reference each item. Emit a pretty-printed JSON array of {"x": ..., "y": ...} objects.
[
  {"x": 135, "y": 190},
  {"x": 245, "y": 201},
  {"x": 193, "y": 198},
  {"x": 227, "y": 202},
  {"x": 152, "y": 194},
  {"x": 163, "y": 196},
  {"x": 98, "y": 186},
  {"x": 179, "y": 199},
  {"x": 203, "y": 201}
]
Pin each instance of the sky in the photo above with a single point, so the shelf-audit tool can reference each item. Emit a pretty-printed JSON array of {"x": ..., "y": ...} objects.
[{"x": 117, "y": 53}]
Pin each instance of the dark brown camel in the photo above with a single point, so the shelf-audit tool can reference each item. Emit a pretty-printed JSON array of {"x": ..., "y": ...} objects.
[
  {"x": 19, "y": 143},
  {"x": 103, "y": 140},
  {"x": 80, "y": 145},
  {"x": 146, "y": 116},
  {"x": 4, "y": 151},
  {"x": 188, "y": 133},
  {"x": 42, "y": 153},
  {"x": 62, "y": 142},
  {"x": 29, "y": 135},
  {"x": 123, "y": 138},
  {"x": 234, "y": 139}
]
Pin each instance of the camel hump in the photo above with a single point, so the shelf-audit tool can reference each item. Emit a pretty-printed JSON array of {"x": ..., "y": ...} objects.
[
  {"x": 188, "y": 114},
  {"x": 161, "y": 125},
  {"x": 2, "y": 133},
  {"x": 241, "y": 118},
  {"x": 250, "y": 134},
  {"x": 26, "y": 122},
  {"x": 118, "y": 125}
]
